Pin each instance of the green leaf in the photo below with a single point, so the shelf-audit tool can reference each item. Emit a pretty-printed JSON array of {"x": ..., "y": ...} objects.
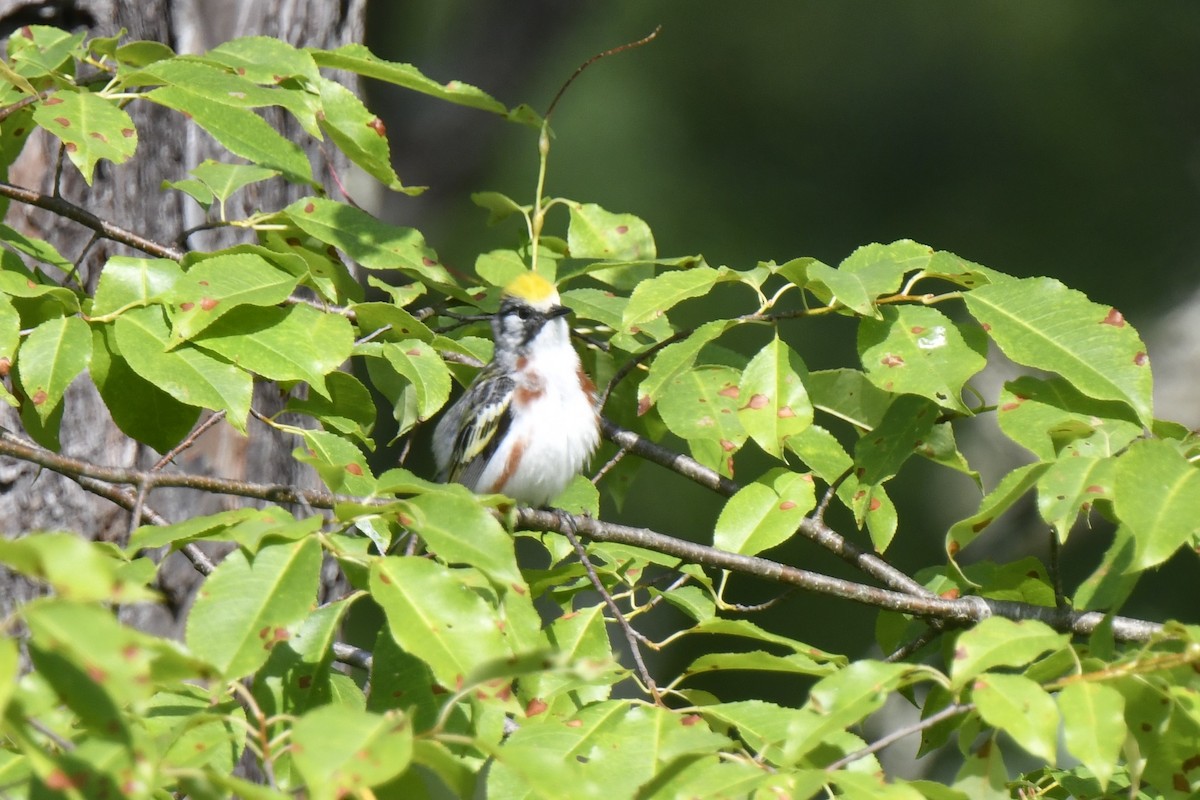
[
  {"x": 373, "y": 244},
  {"x": 130, "y": 282},
  {"x": 461, "y": 531},
  {"x": 340, "y": 751},
  {"x": 1051, "y": 417},
  {"x": 245, "y": 607},
  {"x": 90, "y": 128},
  {"x": 1000, "y": 642},
  {"x": 264, "y": 59},
  {"x": 918, "y": 350},
  {"x": 499, "y": 206},
  {"x": 241, "y": 131},
  {"x": 139, "y": 408},
  {"x": 599, "y": 234},
  {"x": 297, "y": 675},
  {"x": 606, "y": 749},
  {"x": 345, "y": 406},
  {"x": 847, "y": 697},
  {"x": 1041, "y": 323},
  {"x": 866, "y": 274},
  {"x": 194, "y": 732},
  {"x": 1012, "y": 487},
  {"x": 500, "y": 267},
  {"x": 75, "y": 568},
  {"x": 1072, "y": 485},
  {"x": 38, "y": 249},
  {"x": 219, "y": 284},
  {"x": 426, "y": 373},
  {"x": 655, "y": 297},
  {"x": 284, "y": 344},
  {"x": 187, "y": 374},
  {"x": 359, "y": 134},
  {"x": 849, "y": 395},
  {"x": 904, "y": 427},
  {"x": 765, "y": 513},
  {"x": 674, "y": 360},
  {"x": 340, "y": 464},
  {"x": 357, "y": 58},
  {"x": 10, "y": 665},
  {"x": 51, "y": 358},
  {"x": 776, "y": 401},
  {"x": 701, "y": 405},
  {"x": 40, "y": 49},
  {"x": 1111, "y": 583},
  {"x": 434, "y": 614},
  {"x": 1021, "y": 708},
  {"x": 225, "y": 180},
  {"x": 1094, "y": 727},
  {"x": 757, "y": 661},
  {"x": 1156, "y": 493}
]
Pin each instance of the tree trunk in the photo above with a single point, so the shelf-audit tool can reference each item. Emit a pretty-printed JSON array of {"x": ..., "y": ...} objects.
[{"x": 130, "y": 196}]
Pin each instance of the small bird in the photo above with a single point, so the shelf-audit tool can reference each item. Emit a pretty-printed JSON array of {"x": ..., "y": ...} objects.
[{"x": 529, "y": 421}]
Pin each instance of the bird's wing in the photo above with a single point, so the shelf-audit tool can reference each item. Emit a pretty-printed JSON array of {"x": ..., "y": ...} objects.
[{"x": 480, "y": 434}]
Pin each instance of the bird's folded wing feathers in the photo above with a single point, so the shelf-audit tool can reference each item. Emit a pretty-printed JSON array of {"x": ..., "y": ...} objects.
[{"x": 480, "y": 434}]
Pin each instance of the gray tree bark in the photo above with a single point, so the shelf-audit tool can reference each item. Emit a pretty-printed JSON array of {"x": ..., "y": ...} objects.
[{"x": 130, "y": 196}]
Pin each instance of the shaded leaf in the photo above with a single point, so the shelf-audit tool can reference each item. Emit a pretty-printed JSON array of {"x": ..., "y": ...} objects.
[
  {"x": 284, "y": 344},
  {"x": 1050, "y": 416},
  {"x": 655, "y": 297}
]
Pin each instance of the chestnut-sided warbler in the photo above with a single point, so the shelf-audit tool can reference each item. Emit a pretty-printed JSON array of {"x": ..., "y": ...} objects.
[{"x": 528, "y": 422}]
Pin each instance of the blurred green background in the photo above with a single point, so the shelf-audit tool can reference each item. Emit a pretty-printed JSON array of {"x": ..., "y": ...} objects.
[{"x": 1037, "y": 138}]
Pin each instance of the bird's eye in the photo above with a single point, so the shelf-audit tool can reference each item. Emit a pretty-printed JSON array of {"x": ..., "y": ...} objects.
[{"x": 524, "y": 313}]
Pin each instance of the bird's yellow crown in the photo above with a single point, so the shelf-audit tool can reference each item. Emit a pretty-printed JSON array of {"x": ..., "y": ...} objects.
[{"x": 533, "y": 289}]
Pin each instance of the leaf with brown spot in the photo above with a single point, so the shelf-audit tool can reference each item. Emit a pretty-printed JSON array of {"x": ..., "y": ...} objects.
[
  {"x": 90, "y": 127},
  {"x": 774, "y": 379}
]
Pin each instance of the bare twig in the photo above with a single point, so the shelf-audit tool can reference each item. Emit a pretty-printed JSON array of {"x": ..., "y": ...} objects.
[
  {"x": 189, "y": 441},
  {"x": 928, "y": 635},
  {"x": 898, "y": 734},
  {"x": 631, "y": 636}
]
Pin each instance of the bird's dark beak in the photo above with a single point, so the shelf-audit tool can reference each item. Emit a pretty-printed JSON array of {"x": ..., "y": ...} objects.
[{"x": 557, "y": 311}]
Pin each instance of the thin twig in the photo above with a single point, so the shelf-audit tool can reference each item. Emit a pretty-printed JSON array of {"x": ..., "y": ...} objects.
[
  {"x": 612, "y": 462},
  {"x": 898, "y": 734},
  {"x": 631, "y": 636},
  {"x": 189, "y": 441},
  {"x": 135, "y": 513},
  {"x": 928, "y": 635},
  {"x": 579, "y": 70}
]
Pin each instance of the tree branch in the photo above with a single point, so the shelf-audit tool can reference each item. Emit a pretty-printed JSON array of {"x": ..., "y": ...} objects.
[
  {"x": 65, "y": 208},
  {"x": 963, "y": 610}
]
